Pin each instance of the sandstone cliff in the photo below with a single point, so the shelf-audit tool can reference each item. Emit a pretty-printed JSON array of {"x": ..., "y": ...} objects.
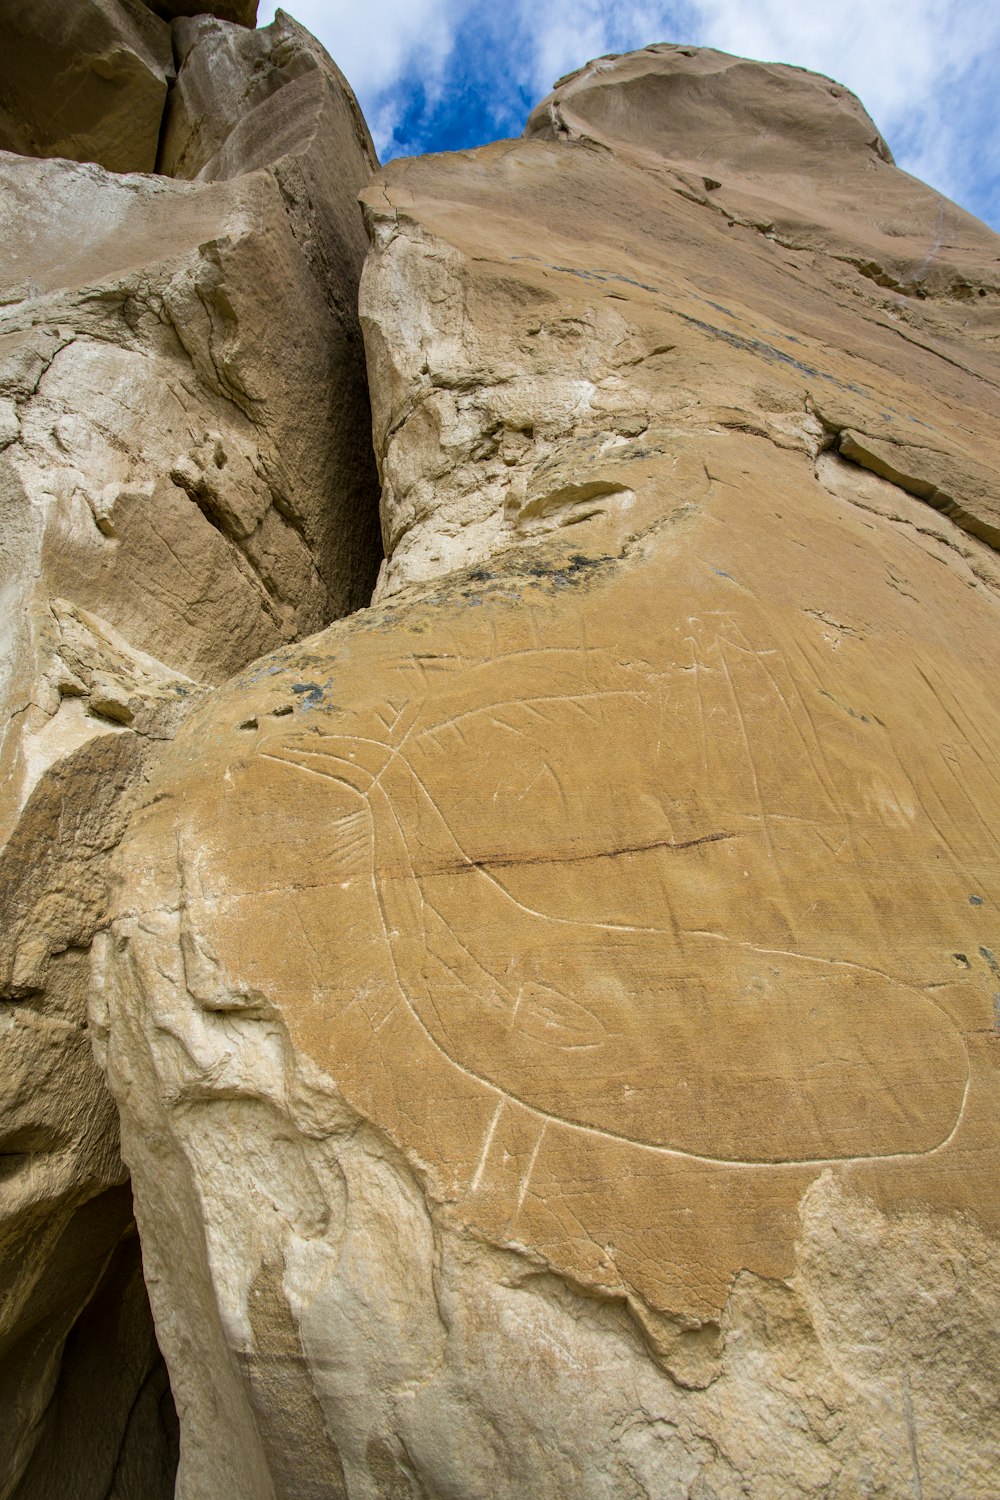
[
  {"x": 593, "y": 973},
  {"x": 552, "y": 1013},
  {"x": 187, "y": 481}
]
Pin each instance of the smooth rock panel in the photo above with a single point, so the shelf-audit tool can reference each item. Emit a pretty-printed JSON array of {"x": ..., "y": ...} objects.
[{"x": 757, "y": 287}]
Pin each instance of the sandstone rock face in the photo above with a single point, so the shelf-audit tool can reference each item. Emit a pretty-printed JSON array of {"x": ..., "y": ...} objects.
[
  {"x": 553, "y": 1013},
  {"x": 186, "y": 482},
  {"x": 86, "y": 80},
  {"x": 804, "y": 226},
  {"x": 185, "y": 463},
  {"x": 274, "y": 99}
]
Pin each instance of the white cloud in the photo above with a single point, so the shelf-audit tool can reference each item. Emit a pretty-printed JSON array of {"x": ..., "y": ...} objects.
[
  {"x": 379, "y": 46},
  {"x": 377, "y": 43},
  {"x": 895, "y": 49},
  {"x": 923, "y": 68},
  {"x": 564, "y": 38},
  {"x": 909, "y": 61}
]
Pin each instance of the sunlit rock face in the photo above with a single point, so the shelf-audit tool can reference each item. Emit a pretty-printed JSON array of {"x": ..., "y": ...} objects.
[
  {"x": 553, "y": 1013},
  {"x": 186, "y": 482}
]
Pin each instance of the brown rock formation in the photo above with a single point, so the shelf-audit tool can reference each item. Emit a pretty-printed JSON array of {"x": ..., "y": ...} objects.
[
  {"x": 86, "y": 80},
  {"x": 553, "y": 1013},
  {"x": 187, "y": 482},
  {"x": 242, "y": 12}
]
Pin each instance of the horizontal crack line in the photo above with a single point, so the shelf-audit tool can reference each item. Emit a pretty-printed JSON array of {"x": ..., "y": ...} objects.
[{"x": 505, "y": 861}]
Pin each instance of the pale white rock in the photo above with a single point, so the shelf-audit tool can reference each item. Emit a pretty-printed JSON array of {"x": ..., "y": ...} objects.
[
  {"x": 172, "y": 461},
  {"x": 186, "y": 482},
  {"x": 10, "y": 425}
]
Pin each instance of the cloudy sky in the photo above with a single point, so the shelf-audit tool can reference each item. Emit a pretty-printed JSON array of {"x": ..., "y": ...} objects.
[{"x": 435, "y": 75}]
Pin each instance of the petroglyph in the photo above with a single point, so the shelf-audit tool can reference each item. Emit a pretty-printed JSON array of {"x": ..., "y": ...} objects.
[{"x": 542, "y": 1007}]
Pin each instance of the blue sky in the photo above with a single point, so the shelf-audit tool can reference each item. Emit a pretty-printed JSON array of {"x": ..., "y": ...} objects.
[{"x": 436, "y": 75}]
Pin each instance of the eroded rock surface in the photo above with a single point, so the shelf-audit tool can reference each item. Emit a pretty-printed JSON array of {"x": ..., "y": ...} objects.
[
  {"x": 186, "y": 482},
  {"x": 554, "y": 1012}
]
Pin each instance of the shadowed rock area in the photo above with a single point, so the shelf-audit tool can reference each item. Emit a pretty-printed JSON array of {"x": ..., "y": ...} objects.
[{"x": 553, "y": 1011}]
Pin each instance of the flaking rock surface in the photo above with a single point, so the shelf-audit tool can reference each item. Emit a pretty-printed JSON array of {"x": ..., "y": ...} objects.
[
  {"x": 554, "y": 1012},
  {"x": 186, "y": 482}
]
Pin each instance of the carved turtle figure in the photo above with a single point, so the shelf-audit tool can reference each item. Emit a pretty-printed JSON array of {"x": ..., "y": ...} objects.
[{"x": 553, "y": 920}]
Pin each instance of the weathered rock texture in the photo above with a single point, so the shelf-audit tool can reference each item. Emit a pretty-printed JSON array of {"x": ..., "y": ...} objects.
[
  {"x": 554, "y": 1013},
  {"x": 186, "y": 482}
]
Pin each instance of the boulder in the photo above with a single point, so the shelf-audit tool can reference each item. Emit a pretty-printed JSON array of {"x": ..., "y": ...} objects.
[
  {"x": 553, "y": 1013},
  {"x": 186, "y": 482},
  {"x": 86, "y": 81}
]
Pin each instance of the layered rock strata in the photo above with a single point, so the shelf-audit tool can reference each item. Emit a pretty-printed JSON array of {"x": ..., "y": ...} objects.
[
  {"x": 187, "y": 482},
  {"x": 553, "y": 1013}
]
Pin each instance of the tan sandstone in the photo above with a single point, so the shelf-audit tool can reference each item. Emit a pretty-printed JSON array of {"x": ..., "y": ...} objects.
[
  {"x": 187, "y": 482},
  {"x": 553, "y": 1013}
]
